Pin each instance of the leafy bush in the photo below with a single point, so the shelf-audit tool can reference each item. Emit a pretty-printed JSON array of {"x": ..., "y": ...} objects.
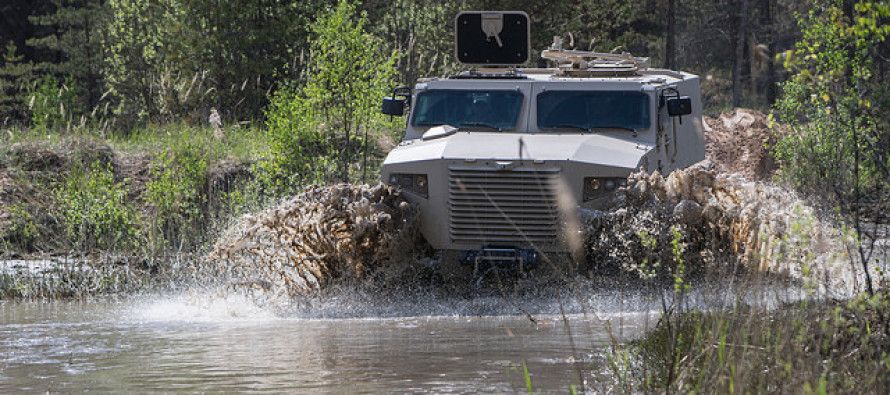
[
  {"x": 836, "y": 101},
  {"x": 835, "y": 104},
  {"x": 22, "y": 230},
  {"x": 175, "y": 194},
  {"x": 95, "y": 210},
  {"x": 320, "y": 131},
  {"x": 52, "y": 103}
]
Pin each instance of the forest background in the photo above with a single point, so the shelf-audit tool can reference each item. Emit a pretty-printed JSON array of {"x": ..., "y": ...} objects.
[{"x": 135, "y": 60}]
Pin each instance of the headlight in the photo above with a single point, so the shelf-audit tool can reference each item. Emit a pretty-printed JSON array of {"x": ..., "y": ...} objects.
[
  {"x": 595, "y": 187},
  {"x": 414, "y": 183}
]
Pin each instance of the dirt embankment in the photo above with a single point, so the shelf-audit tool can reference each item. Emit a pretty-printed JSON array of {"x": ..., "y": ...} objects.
[{"x": 33, "y": 173}]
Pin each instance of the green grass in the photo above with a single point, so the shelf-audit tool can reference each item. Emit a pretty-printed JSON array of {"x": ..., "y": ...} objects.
[
  {"x": 242, "y": 143},
  {"x": 804, "y": 347}
]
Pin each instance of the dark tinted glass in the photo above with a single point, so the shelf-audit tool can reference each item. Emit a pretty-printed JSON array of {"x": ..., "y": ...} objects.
[
  {"x": 593, "y": 109},
  {"x": 466, "y": 108}
]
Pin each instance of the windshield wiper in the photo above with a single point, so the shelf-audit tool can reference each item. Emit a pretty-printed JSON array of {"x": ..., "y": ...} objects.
[
  {"x": 614, "y": 127},
  {"x": 589, "y": 129},
  {"x": 480, "y": 124},
  {"x": 570, "y": 126}
]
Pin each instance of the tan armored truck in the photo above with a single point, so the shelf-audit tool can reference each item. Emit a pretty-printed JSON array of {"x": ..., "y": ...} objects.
[{"x": 500, "y": 159}]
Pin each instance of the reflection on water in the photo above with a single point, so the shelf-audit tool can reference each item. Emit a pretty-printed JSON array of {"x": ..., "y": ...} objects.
[
  {"x": 345, "y": 340},
  {"x": 191, "y": 345}
]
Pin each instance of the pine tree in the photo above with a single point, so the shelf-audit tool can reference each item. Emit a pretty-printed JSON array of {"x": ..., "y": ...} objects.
[
  {"x": 16, "y": 77},
  {"x": 75, "y": 44}
]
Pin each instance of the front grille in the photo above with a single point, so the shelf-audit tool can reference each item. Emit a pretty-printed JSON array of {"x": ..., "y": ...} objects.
[{"x": 503, "y": 207}]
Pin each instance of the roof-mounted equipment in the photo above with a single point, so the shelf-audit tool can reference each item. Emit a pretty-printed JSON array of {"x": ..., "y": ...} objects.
[
  {"x": 590, "y": 64},
  {"x": 492, "y": 38}
]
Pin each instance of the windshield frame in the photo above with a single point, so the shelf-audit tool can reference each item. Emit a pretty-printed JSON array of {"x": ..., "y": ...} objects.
[
  {"x": 638, "y": 118},
  {"x": 461, "y": 106}
]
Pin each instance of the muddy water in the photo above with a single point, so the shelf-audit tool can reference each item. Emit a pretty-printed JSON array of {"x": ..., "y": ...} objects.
[{"x": 186, "y": 344}]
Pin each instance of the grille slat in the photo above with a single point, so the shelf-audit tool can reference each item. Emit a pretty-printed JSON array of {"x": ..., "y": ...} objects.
[{"x": 516, "y": 206}]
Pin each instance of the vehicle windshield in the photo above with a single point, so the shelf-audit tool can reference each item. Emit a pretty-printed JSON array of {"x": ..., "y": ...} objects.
[
  {"x": 589, "y": 110},
  {"x": 493, "y": 109}
]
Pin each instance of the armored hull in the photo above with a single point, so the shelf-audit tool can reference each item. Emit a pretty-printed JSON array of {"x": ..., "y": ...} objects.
[
  {"x": 502, "y": 159},
  {"x": 518, "y": 178}
]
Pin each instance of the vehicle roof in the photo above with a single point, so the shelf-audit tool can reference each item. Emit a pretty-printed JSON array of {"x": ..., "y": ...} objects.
[{"x": 649, "y": 76}]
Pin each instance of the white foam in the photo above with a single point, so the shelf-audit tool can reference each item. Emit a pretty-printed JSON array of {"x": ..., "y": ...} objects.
[{"x": 200, "y": 307}]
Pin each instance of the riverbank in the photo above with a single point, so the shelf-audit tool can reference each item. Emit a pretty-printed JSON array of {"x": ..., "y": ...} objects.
[
  {"x": 154, "y": 192},
  {"x": 812, "y": 346},
  {"x": 83, "y": 215}
]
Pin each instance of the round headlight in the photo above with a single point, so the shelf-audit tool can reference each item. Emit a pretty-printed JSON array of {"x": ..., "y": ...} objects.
[
  {"x": 393, "y": 179},
  {"x": 421, "y": 181},
  {"x": 595, "y": 184},
  {"x": 610, "y": 184}
]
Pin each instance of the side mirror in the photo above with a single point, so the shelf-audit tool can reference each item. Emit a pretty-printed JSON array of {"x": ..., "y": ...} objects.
[
  {"x": 681, "y": 105},
  {"x": 395, "y": 106}
]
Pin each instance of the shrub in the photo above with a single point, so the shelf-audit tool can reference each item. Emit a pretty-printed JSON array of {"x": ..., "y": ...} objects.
[
  {"x": 175, "y": 194},
  {"x": 95, "y": 210},
  {"x": 52, "y": 103},
  {"x": 321, "y": 130},
  {"x": 835, "y": 104}
]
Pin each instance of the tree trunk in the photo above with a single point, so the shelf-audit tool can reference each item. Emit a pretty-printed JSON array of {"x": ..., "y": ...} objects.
[
  {"x": 766, "y": 20},
  {"x": 739, "y": 31},
  {"x": 670, "y": 41}
]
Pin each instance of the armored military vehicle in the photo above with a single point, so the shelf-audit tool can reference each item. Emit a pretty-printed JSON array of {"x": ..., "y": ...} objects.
[{"x": 500, "y": 159}]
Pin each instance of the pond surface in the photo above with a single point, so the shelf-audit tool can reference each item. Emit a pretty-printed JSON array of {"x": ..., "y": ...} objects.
[{"x": 192, "y": 344}]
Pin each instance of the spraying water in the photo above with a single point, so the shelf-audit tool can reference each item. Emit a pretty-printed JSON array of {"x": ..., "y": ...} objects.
[
  {"x": 717, "y": 219},
  {"x": 359, "y": 241}
]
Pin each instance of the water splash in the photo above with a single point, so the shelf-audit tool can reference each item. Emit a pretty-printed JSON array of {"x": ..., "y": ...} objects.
[
  {"x": 200, "y": 307},
  {"x": 364, "y": 236},
  {"x": 718, "y": 220},
  {"x": 324, "y": 233}
]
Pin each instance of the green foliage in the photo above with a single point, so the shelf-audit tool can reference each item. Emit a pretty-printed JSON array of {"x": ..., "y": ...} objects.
[
  {"x": 319, "y": 131},
  {"x": 53, "y": 103},
  {"x": 835, "y": 101},
  {"x": 242, "y": 45},
  {"x": 419, "y": 31},
  {"x": 835, "y": 105},
  {"x": 176, "y": 196},
  {"x": 135, "y": 55},
  {"x": 174, "y": 59},
  {"x": 71, "y": 35},
  {"x": 16, "y": 77},
  {"x": 95, "y": 210},
  {"x": 22, "y": 230}
]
